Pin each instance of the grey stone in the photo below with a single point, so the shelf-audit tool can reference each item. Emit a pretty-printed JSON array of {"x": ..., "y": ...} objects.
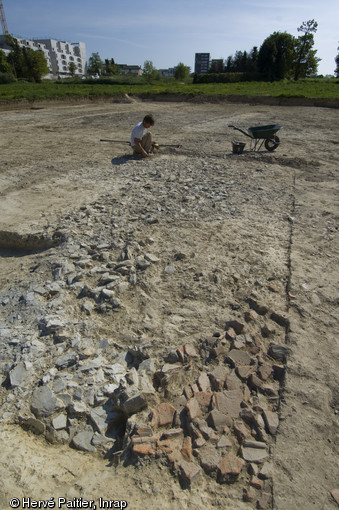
[
  {"x": 60, "y": 422},
  {"x": 44, "y": 402},
  {"x": 20, "y": 374},
  {"x": 256, "y": 455},
  {"x": 67, "y": 360},
  {"x": 82, "y": 441}
]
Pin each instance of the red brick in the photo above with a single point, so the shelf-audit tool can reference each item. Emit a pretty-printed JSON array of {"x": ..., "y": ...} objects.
[
  {"x": 230, "y": 468},
  {"x": 165, "y": 412},
  {"x": 143, "y": 449},
  {"x": 145, "y": 431}
]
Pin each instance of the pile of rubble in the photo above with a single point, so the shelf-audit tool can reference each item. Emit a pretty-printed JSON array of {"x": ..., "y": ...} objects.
[{"x": 208, "y": 408}]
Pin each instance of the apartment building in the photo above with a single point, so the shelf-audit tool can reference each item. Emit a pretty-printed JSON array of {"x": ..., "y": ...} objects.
[
  {"x": 59, "y": 54},
  {"x": 202, "y": 63},
  {"x": 62, "y": 54}
]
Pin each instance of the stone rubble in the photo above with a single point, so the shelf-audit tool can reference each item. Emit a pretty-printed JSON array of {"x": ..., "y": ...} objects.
[{"x": 208, "y": 408}]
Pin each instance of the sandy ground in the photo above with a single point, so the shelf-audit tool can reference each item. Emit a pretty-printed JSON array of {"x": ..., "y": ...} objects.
[{"x": 276, "y": 225}]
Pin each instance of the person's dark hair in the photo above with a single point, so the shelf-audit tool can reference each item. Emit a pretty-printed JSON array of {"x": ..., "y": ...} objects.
[{"x": 149, "y": 119}]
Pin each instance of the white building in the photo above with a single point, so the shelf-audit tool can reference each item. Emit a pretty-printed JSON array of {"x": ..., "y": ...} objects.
[
  {"x": 62, "y": 54},
  {"x": 59, "y": 54}
]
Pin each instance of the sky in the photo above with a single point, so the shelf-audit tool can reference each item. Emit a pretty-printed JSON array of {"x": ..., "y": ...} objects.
[{"x": 172, "y": 31}]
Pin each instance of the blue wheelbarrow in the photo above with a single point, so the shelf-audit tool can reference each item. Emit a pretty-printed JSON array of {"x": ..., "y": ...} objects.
[{"x": 259, "y": 135}]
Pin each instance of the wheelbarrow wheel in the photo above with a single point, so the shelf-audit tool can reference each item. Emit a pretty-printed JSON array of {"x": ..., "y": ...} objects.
[{"x": 272, "y": 143}]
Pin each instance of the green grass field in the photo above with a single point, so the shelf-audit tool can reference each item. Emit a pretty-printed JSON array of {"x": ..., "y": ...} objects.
[{"x": 308, "y": 88}]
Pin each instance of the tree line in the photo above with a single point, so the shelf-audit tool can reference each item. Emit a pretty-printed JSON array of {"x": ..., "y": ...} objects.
[
  {"x": 280, "y": 56},
  {"x": 22, "y": 63}
]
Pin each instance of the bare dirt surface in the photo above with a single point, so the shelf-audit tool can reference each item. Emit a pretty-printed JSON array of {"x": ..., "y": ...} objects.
[{"x": 223, "y": 227}]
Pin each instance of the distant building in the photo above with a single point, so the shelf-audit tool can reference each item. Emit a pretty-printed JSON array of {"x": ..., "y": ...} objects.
[
  {"x": 202, "y": 63},
  {"x": 62, "y": 54},
  {"x": 217, "y": 65},
  {"x": 167, "y": 72},
  {"x": 125, "y": 69},
  {"x": 59, "y": 54}
]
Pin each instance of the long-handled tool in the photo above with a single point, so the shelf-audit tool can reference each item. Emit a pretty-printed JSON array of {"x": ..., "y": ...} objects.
[{"x": 177, "y": 146}]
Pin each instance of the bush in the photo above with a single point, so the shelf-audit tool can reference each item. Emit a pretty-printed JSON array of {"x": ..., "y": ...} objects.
[
  {"x": 227, "y": 77},
  {"x": 7, "y": 78}
]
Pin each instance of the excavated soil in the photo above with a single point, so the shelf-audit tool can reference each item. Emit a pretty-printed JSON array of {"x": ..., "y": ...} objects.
[{"x": 223, "y": 227}]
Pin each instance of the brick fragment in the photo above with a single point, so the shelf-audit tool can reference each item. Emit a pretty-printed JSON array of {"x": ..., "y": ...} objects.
[
  {"x": 238, "y": 357},
  {"x": 250, "y": 494},
  {"x": 190, "y": 351},
  {"x": 186, "y": 448},
  {"x": 256, "y": 482},
  {"x": 245, "y": 371},
  {"x": 209, "y": 459},
  {"x": 218, "y": 377},
  {"x": 193, "y": 408},
  {"x": 171, "y": 433},
  {"x": 143, "y": 440},
  {"x": 240, "y": 431},
  {"x": 228, "y": 402},
  {"x": 145, "y": 431},
  {"x": 224, "y": 442},
  {"x": 272, "y": 421},
  {"x": 231, "y": 334},
  {"x": 204, "y": 382},
  {"x": 143, "y": 449},
  {"x": 265, "y": 371},
  {"x": 189, "y": 473},
  {"x": 229, "y": 468},
  {"x": 218, "y": 420},
  {"x": 256, "y": 455},
  {"x": 204, "y": 400},
  {"x": 165, "y": 413}
]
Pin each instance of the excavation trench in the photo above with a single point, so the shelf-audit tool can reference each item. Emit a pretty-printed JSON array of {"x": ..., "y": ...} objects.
[{"x": 13, "y": 244}]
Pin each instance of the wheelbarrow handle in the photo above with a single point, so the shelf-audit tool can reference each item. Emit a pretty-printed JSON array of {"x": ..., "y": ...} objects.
[{"x": 241, "y": 130}]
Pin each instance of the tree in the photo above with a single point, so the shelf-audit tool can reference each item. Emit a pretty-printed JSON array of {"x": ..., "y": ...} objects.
[
  {"x": 149, "y": 71},
  {"x": 306, "y": 62},
  {"x": 276, "y": 56},
  {"x": 336, "y": 72},
  {"x": 110, "y": 67},
  {"x": 5, "y": 67},
  {"x": 95, "y": 65},
  {"x": 181, "y": 72},
  {"x": 35, "y": 65},
  {"x": 72, "y": 68}
]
